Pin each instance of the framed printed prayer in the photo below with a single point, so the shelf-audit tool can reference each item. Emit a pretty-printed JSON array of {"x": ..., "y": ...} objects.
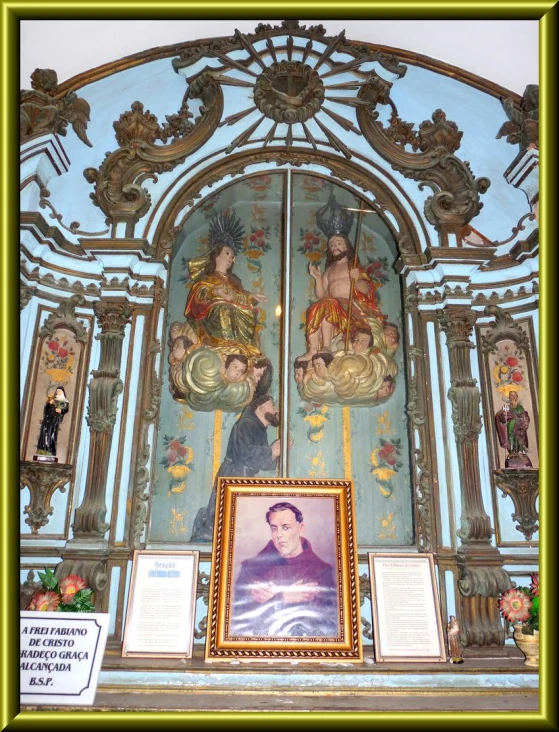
[
  {"x": 284, "y": 582},
  {"x": 161, "y": 605},
  {"x": 407, "y": 622}
]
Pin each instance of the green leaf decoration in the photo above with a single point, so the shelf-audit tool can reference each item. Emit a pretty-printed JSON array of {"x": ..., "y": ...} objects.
[
  {"x": 62, "y": 608},
  {"x": 48, "y": 579},
  {"x": 84, "y": 594}
]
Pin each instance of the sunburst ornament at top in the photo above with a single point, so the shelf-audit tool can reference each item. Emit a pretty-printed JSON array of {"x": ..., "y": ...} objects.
[
  {"x": 291, "y": 72},
  {"x": 289, "y": 92}
]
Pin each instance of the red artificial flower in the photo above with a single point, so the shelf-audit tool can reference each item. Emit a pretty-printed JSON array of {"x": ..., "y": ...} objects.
[
  {"x": 511, "y": 361},
  {"x": 517, "y": 376},
  {"x": 535, "y": 584},
  {"x": 69, "y": 586},
  {"x": 53, "y": 345},
  {"x": 44, "y": 601},
  {"x": 515, "y": 605}
]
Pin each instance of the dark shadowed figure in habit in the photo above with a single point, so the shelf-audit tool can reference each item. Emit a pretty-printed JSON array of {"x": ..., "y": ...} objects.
[
  {"x": 53, "y": 414},
  {"x": 286, "y": 590},
  {"x": 248, "y": 452}
]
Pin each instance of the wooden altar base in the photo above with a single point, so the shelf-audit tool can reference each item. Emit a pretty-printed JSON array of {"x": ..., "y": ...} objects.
[{"x": 501, "y": 684}]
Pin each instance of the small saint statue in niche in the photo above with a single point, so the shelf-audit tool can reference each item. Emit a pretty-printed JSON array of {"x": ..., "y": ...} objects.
[
  {"x": 512, "y": 422},
  {"x": 56, "y": 407},
  {"x": 454, "y": 646}
]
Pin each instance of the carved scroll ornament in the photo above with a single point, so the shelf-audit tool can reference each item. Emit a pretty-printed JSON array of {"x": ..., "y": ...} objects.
[
  {"x": 504, "y": 328},
  {"x": 523, "y": 487},
  {"x": 118, "y": 181},
  {"x": 65, "y": 317},
  {"x": 456, "y": 191},
  {"x": 42, "y": 480}
]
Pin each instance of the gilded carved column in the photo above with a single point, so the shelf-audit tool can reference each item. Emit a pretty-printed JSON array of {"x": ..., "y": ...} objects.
[
  {"x": 104, "y": 388},
  {"x": 482, "y": 576},
  {"x": 464, "y": 396}
]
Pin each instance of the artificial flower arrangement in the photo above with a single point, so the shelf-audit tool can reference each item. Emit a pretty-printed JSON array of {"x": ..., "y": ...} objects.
[
  {"x": 70, "y": 595},
  {"x": 522, "y": 605}
]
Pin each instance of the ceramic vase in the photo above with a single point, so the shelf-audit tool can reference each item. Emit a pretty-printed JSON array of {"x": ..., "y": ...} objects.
[{"x": 529, "y": 645}]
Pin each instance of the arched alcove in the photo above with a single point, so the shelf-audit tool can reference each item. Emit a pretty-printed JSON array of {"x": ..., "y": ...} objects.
[{"x": 338, "y": 433}]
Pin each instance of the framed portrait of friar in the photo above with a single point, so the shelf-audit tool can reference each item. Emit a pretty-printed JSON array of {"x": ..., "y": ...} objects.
[{"x": 284, "y": 581}]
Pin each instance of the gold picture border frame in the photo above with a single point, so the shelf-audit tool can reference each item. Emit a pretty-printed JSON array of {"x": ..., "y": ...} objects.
[
  {"x": 348, "y": 647},
  {"x": 380, "y": 658},
  {"x": 191, "y": 605}
]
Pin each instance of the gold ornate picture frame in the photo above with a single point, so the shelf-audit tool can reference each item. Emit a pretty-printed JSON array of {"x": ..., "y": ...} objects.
[{"x": 284, "y": 580}]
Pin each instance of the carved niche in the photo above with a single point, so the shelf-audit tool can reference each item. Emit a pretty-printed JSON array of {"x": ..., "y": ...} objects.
[
  {"x": 59, "y": 360},
  {"x": 511, "y": 407}
]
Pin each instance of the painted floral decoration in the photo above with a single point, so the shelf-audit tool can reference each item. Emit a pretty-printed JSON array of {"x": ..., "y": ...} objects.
[
  {"x": 58, "y": 359},
  {"x": 386, "y": 463},
  {"x": 208, "y": 206},
  {"x": 377, "y": 269},
  {"x": 522, "y": 605},
  {"x": 316, "y": 415},
  {"x": 312, "y": 246},
  {"x": 260, "y": 184},
  {"x": 258, "y": 241},
  {"x": 177, "y": 461},
  {"x": 508, "y": 370},
  {"x": 313, "y": 187},
  {"x": 69, "y": 595}
]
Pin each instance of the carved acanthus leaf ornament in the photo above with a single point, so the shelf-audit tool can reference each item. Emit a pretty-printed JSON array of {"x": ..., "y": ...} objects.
[
  {"x": 118, "y": 181},
  {"x": 456, "y": 191}
]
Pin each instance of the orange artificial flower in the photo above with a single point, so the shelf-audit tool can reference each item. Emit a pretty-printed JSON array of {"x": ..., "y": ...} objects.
[
  {"x": 69, "y": 586},
  {"x": 515, "y": 605},
  {"x": 44, "y": 601}
]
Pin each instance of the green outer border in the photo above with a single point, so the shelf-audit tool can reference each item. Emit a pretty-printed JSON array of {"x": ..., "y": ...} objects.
[{"x": 11, "y": 14}]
